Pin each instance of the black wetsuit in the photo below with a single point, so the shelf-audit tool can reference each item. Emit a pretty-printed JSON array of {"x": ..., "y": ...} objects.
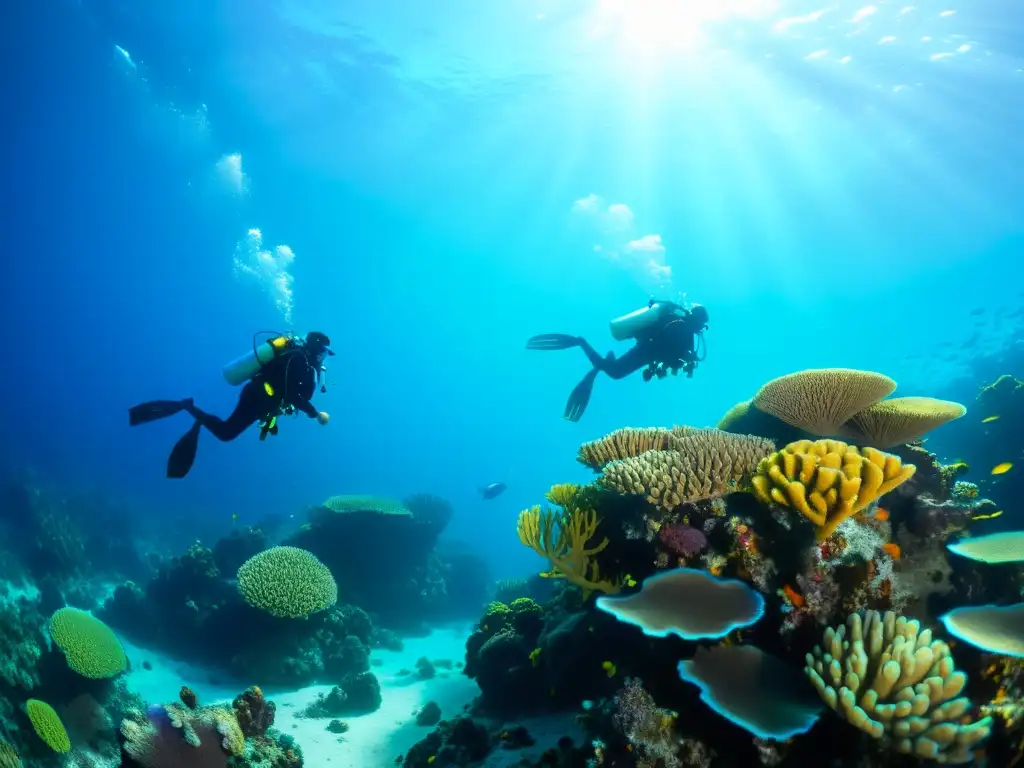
[
  {"x": 670, "y": 344},
  {"x": 292, "y": 379}
]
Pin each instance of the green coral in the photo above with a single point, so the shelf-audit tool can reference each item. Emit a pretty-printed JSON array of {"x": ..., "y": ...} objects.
[
  {"x": 48, "y": 725},
  {"x": 344, "y": 504},
  {"x": 90, "y": 647},
  {"x": 8, "y": 756},
  {"x": 287, "y": 582},
  {"x": 964, "y": 492},
  {"x": 890, "y": 679}
]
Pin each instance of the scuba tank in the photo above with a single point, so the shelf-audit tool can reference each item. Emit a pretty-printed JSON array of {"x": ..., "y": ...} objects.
[
  {"x": 242, "y": 369},
  {"x": 632, "y": 325}
]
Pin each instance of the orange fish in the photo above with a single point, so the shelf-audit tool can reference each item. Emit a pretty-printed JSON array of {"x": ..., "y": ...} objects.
[
  {"x": 892, "y": 549},
  {"x": 881, "y": 514},
  {"x": 794, "y": 597}
]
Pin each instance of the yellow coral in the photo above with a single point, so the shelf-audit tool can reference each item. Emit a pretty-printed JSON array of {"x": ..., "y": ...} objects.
[
  {"x": 90, "y": 647},
  {"x": 901, "y": 420},
  {"x": 563, "y": 494},
  {"x": 562, "y": 538},
  {"x": 827, "y": 480},
  {"x": 703, "y": 464},
  {"x": 48, "y": 726},
  {"x": 820, "y": 401},
  {"x": 626, "y": 443}
]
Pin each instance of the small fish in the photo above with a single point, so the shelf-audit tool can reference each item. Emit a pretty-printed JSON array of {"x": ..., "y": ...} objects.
[
  {"x": 881, "y": 514},
  {"x": 609, "y": 668},
  {"x": 989, "y": 419},
  {"x": 234, "y": 517},
  {"x": 1002, "y": 469},
  {"x": 493, "y": 491}
]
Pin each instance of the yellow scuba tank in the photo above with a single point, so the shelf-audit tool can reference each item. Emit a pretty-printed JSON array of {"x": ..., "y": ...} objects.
[
  {"x": 242, "y": 369},
  {"x": 632, "y": 325}
]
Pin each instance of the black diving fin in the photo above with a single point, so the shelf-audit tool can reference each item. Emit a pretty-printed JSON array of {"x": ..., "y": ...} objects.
[
  {"x": 579, "y": 398},
  {"x": 553, "y": 341},
  {"x": 183, "y": 455},
  {"x": 154, "y": 410}
]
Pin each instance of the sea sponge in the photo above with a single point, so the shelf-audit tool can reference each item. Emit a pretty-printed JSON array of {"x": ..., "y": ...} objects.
[
  {"x": 703, "y": 464},
  {"x": 820, "y": 401},
  {"x": 890, "y": 679},
  {"x": 827, "y": 480},
  {"x": 900, "y": 420},
  {"x": 562, "y": 538},
  {"x": 48, "y": 726},
  {"x": 9, "y": 757},
  {"x": 287, "y": 582},
  {"x": 626, "y": 443},
  {"x": 354, "y": 503},
  {"x": 90, "y": 646}
]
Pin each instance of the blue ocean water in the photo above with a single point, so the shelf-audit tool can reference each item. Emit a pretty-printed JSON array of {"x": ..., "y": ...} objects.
[{"x": 838, "y": 185}]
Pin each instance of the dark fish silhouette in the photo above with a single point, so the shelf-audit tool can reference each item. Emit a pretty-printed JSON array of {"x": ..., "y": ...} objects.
[{"x": 493, "y": 490}]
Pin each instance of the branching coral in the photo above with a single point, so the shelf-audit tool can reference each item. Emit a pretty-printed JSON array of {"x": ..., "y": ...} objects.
[
  {"x": 562, "y": 537},
  {"x": 900, "y": 420},
  {"x": 626, "y": 443},
  {"x": 704, "y": 464},
  {"x": 827, "y": 480},
  {"x": 890, "y": 679},
  {"x": 820, "y": 401}
]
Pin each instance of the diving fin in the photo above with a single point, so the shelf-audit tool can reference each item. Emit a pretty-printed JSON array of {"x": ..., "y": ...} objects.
[
  {"x": 183, "y": 455},
  {"x": 579, "y": 398},
  {"x": 548, "y": 341},
  {"x": 154, "y": 410}
]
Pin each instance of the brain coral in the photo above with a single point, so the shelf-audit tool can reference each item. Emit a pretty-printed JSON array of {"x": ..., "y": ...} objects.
[
  {"x": 48, "y": 725},
  {"x": 288, "y": 582},
  {"x": 90, "y": 647}
]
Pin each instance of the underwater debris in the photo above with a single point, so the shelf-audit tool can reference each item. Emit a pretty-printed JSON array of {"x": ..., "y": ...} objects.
[
  {"x": 992, "y": 628},
  {"x": 900, "y": 420},
  {"x": 887, "y": 677},
  {"x": 1006, "y": 547},
  {"x": 821, "y": 400},
  {"x": 689, "y": 603},
  {"x": 827, "y": 481},
  {"x": 753, "y": 689}
]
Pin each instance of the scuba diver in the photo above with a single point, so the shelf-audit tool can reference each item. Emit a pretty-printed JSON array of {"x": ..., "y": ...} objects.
[
  {"x": 668, "y": 338},
  {"x": 280, "y": 375}
]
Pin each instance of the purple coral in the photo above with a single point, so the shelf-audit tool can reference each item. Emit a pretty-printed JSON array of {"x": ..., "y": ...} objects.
[{"x": 683, "y": 540}]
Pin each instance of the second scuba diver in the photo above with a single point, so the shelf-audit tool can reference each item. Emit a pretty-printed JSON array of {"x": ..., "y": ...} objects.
[
  {"x": 668, "y": 339},
  {"x": 280, "y": 375}
]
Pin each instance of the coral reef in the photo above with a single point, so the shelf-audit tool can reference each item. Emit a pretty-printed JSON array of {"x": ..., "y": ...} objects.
[{"x": 287, "y": 582}]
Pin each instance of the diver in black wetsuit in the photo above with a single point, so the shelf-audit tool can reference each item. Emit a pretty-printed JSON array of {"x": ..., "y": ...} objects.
[
  {"x": 282, "y": 385},
  {"x": 667, "y": 339}
]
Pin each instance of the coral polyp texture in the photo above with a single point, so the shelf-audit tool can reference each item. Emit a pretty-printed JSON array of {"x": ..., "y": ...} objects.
[
  {"x": 889, "y": 678},
  {"x": 1007, "y": 547},
  {"x": 820, "y": 401},
  {"x": 687, "y": 602},
  {"x": 90, "y": 646},
  {"x": 704, "y": 464},
  {"x": 9, "y": 756},
  {"x": 757, "y": 691},
  {"x": 287, "y": 582},
  {"x": 992, "y": 628},
  {"x": 48, "y": 726},
  {"x": 900, "y": 420},
  {"x": 828, "y": 481},
  {"x": 627, "y": 442},
  {"x": 355, "y": 503}
]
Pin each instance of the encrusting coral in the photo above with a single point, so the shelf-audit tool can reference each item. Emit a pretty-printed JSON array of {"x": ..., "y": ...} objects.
[
  {"x": 827, "y": 481},
  {"x": 704, "y": 464},
  {"x": 562, "y": 536},
  {"x": 889, "y": 678},
  {"x": 819, "y": 401},
  {"x": 900, "y": 420}
]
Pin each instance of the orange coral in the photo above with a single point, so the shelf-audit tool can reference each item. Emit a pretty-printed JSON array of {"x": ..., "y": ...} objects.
[{"x": 892, "y": 549}]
